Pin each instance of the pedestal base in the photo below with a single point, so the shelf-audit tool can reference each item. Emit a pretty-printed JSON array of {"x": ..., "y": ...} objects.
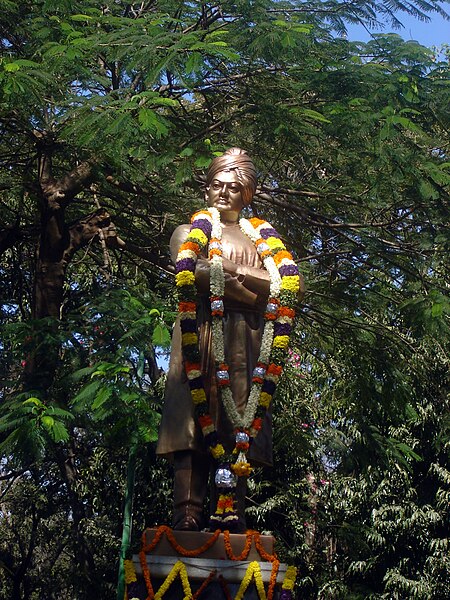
[{"x": 178, "y": 563}]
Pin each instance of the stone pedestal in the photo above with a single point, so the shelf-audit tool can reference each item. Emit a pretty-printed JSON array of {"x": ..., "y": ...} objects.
[{"x": 223, "y": 565}]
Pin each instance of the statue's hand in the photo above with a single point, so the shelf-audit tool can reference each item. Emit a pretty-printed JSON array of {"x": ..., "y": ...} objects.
[
  {"x": 234, "y": 290},
  {"x": 202, "y": 274},
  {"x": 253, "y": 279}
]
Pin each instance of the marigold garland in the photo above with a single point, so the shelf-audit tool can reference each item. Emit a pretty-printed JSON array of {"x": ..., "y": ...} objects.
[
  {"x": 261, "y": 550},
  {"x": 130, "y": 573},
  {"x": 224, "y": 586},
  {"x": 204, "y": 584},
  {"x": 252, "y": 570},
  {"x": 146, "y": 574},
  {"x": 206, "y": 228},
  {"x": 178, "y": 569},
  {"x": 164, "y": 529},
  {"x": 273, "y": 579},
  {"x": 247, "y": 546}
]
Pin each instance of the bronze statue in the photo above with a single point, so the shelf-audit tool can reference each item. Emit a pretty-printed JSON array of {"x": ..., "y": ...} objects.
[{"x": 218, "y": 253}]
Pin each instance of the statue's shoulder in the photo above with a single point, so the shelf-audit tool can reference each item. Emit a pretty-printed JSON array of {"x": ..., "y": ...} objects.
[
  {"x": 178, "y": 237},
  {"x": 182, "y": 229}
]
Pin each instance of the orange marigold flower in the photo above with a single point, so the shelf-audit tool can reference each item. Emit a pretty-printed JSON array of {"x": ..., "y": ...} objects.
[
  {"x": 274, "y": 369},
  {"x": 225, "y": 502},
  {"x": 256, "y": 222},
  {"x": 191, "y": 366},
  {"x": 280, "y": 255},
  {"x": 205, "y": 420},
  {"x": 285, "y": 311},
  {"x": 270, "y": 316},
  {"x": 244, "y": 446},
  {"x": 257, "y": 423},
  {"x": 187, "y": 306},
  {"x": 190, "y": 246}
]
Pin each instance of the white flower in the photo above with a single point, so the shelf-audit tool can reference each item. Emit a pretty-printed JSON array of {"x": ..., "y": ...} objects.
[
  {"x": 186, "y": 254},
  {"x": 217, "y": 340},
  {"x": 193, "y": 374},
  {"x": 188, "y": 315},
  {"x": 216, "y": 231},
  {"x": 266, "y": 343},
  {"x": 286, "y": 261},
  {"x": 252, "y": 405},
  {"x": 230, "y": 408}
]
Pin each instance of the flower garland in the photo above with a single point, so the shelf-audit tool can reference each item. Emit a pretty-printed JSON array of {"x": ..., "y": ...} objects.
[
  {"x": 164, "y": 529},
  {"x": 206, "y": 229},
  {"x": 253, "y": 572},
  {"x": 130, "y": 573},
  {"x": 223, "y": 585},
  {"x": 130, "y": 580},
  {"x": 179, "y": 569}
]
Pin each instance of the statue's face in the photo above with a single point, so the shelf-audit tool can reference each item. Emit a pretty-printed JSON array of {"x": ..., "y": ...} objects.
[{"x": 225, "y": 193}]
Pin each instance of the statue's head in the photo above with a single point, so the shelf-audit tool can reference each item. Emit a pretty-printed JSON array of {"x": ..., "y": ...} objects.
[{"x": 235, "y": 161}]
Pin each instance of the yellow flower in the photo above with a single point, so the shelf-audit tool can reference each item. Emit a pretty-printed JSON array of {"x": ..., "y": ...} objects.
[
  {"x": 291, "y": 283},
  {"x": 253, "y": 570},
  {"x": 242, "y": 469},
  {"x": 274, "y": 242},
  {"x": 184, "y": 278},
  {"x": 189, "y": 338},
  {"x": 265, "y": 399},
  {"x": 130, "y": 574},
  {"x": 289, "y": 578},
  {"x": 217, "y": 451},
  {"x": 198, "y": 396},
  {"x": 178, "y": 569},
  {"x": 281, "y": 341},
  {"x": 198, "y": 235}
]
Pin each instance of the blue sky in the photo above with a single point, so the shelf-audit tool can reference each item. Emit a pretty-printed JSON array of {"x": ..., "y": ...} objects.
[{"x": 434, "y": 33}]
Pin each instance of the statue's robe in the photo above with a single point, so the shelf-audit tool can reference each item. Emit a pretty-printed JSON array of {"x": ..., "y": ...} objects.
[{"x": 242, "y": 329}]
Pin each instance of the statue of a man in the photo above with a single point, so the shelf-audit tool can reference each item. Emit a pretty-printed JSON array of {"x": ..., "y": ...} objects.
[{"x": 230, "y": 185}]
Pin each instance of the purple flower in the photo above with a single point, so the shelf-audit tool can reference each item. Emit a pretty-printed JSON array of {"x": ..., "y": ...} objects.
[
  {"x": 188, "y": 326},
  {"x": 268, "y": 386},
  {"x": 204, "y": 225},
  {"x": 282, "y": 329},
  {"x": 268, "y": 232},
  {"x": 185, "y": 264},
  {"x": 286, "y": 595},
  {"x": 288, "y": 270},
  {"x": 196, "y": 383},
  {"x": 211, "y": 439}
]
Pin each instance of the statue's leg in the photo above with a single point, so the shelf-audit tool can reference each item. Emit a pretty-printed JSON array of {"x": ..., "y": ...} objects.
[{"x": 191, "y": 471}]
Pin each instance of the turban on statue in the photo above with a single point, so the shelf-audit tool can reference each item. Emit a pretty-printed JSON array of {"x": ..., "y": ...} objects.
[{"x": 235, "y": 159}]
